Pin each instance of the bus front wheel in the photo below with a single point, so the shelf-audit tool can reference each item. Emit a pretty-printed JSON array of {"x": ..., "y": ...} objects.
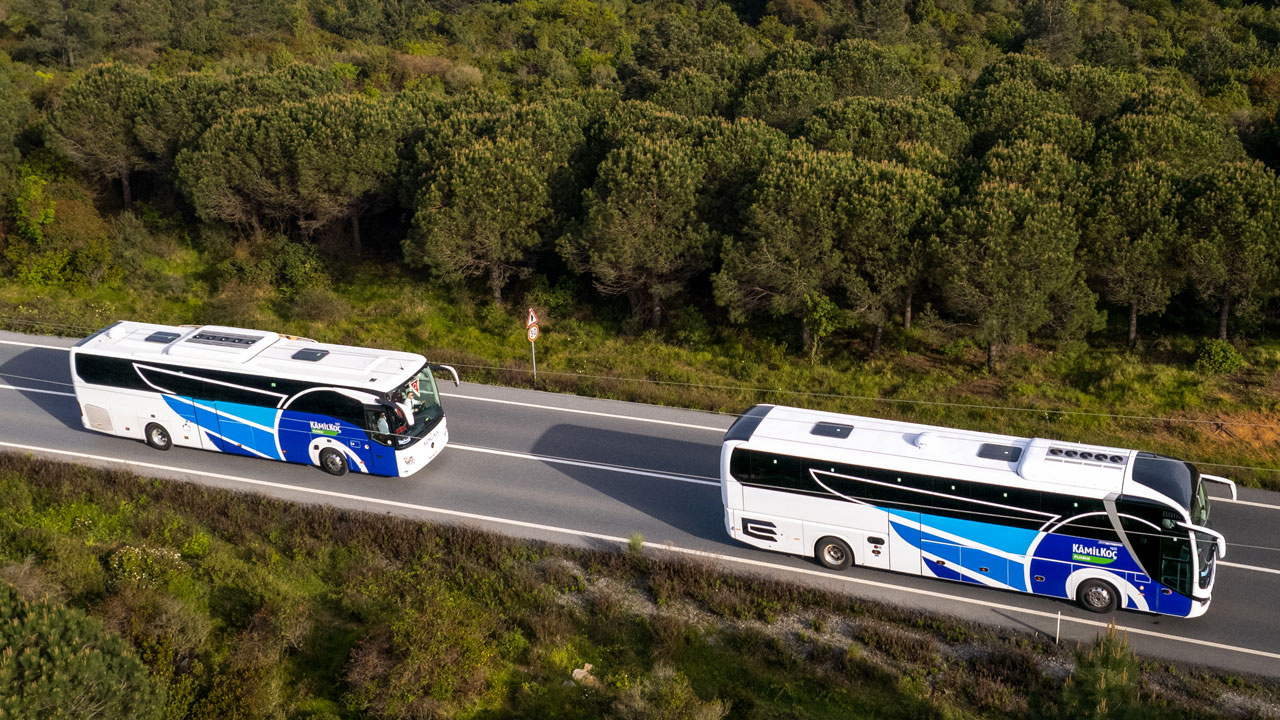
[
  {"x": 157, "y": 437},
  {"x": 1097, "y": 596},
  {"x": 332, "y": 462},
  {"x": 834, "y": 553}
]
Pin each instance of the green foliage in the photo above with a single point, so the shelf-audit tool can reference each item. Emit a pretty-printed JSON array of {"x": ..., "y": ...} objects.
[
  {"x": 32, "y": 209},
  {"x": 275, "y": 262},
  {"x": 876, "y": 128},
  {"x": 15, "y": 110},
  {"x": 96, "y": 118},
  {"x": 305, "y": 164},
  {"x": 1107, "y": 682},
  {"x": 832, "y": 226},
  {"x": 693, "y": 93},
  {"x": 144, "y": 566},
  {"x": 862, "y": 67},
  {"x": 1217, "y": 357},
  {"x": 484, "y": 212},
  {"x": 785, "y": 98},
  {"x": 1233, "y": 243},
  {"x": 1131, "y": 235},
  {"x": 665, "y": 694},
  {"x": 642, "y": 236},
  {"x": 59, "y": 662},
  {"x": 1009, "y": 265},
  {"x": 435, "y": 654}
]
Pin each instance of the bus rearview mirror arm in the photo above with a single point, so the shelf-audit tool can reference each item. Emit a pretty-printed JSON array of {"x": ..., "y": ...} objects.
[{"x": 451, "y": 371}]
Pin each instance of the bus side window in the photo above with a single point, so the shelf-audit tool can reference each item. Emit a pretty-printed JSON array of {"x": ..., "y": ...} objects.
[
  {"x": 740, "y": 465},
  {"x": 778, "y": 471},
  {"x": 1145, "y": 542},
  {"x": 330, "y": 403},
  {"x": 951, "y": 495},
  {"x": 1094, "y": 527}
]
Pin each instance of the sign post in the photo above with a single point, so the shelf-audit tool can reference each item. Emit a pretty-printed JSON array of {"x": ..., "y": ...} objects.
[{"x": 532, "y": 326}]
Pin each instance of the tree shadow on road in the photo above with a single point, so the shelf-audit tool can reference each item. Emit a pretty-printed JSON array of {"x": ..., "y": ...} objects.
[{"x": 41, "y": 376}]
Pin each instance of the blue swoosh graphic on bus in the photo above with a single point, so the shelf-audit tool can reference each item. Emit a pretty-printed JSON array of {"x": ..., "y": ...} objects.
[
  {"x": 266, "y": 417},
  {"x": 1015, "y": 541},
  {"x": 229, "y": 432}
]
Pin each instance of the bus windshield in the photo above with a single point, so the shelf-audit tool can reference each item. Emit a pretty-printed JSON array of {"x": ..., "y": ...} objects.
[{"x": 415, "y": 407}]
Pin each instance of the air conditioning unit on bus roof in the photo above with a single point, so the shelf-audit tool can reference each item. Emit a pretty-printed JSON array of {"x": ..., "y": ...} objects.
[
  {"x": 223, "y": 343},
  {"x": 1070, "y": 464}
]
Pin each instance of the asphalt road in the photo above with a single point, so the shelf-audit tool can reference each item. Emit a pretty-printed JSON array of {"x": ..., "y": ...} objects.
[{"x": 594, "y": 472}]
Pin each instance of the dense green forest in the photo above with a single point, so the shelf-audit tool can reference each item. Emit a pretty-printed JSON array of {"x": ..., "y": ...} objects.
[
  {"x": 126, "y": 597},
  {"x": 824, "y": 168}
]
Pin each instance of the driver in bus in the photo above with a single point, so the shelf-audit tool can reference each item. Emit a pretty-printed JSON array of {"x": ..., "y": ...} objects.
[{"x": 405, "y": 403}]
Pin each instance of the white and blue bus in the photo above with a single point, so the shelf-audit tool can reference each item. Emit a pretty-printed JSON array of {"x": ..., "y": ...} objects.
[
  {"x": 262, "y": 394},
  {"x": 1103, "y": 526}
]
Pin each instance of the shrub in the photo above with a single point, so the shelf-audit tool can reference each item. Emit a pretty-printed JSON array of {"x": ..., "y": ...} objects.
[
  {"x": 59, "y": 662},
  {"x": 1105, "y": 683},
  {"x": 666, "y": 695},
  {"x": 1216, "y": 357},
  {"x": 437, "y": 654},
  {"x": 144, "y": 566}
]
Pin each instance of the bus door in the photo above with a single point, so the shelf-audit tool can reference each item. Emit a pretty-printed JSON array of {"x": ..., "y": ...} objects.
[
  {"x": 1175, "y": 575},
  {"x": 1166, "y": 562},
  {"x": 381, "y": 454}
]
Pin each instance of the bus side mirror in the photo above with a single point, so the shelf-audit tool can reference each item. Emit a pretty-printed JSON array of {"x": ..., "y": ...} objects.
[
  {"x": 1222, "y": 481},
  {"x": 449, "y": 369}
]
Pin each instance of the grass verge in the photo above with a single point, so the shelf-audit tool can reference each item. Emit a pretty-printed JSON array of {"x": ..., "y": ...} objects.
[{"x": 243, "y": 606}]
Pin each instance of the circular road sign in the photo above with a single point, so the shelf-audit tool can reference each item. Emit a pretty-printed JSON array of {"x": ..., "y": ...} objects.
[{"x": 533, "y": 333}]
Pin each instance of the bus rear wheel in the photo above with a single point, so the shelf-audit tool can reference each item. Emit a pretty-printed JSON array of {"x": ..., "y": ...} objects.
[
  {"x": 833, "y": 553},
  {"x": 1097, "y": 596},
  {"x": 157, "y": 437},
  {"x": 332, "y": 462}
]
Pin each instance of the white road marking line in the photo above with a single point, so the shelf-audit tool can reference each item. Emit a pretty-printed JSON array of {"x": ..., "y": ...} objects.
[
  {"x": 729, "y": 559},
  {"x": 586, "y": 412},
  {"x": 583, "y": 412},
  {"x": 1245, "y": 502},
  {"x": 36, "y": 390},
  {"x": 1248, "y": 567},
  {"x": 695, "y": 479},
  {"x": 34, "y": 345}
]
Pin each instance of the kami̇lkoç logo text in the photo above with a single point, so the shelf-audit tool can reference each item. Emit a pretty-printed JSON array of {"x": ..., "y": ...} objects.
[
  {"x": 319, "y": 428},
  {"x": 1093, "y": 555}
]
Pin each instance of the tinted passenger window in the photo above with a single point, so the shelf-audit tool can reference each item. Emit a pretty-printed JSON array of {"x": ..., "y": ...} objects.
[
  {"x": 327, "y": 402},
  {"x": 109, "y": 371}
]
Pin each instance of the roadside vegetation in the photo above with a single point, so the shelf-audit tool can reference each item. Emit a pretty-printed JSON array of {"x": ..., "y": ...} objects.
[{"x": 188, "y": 602}]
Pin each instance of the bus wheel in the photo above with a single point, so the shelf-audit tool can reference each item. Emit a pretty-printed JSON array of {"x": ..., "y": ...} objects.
[
  {"x": 834, "y": 553},
  {"x": 1097, "y": 596},
  {"x": 157, "y": 437},
  {"x": 332, "y": 462}
]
